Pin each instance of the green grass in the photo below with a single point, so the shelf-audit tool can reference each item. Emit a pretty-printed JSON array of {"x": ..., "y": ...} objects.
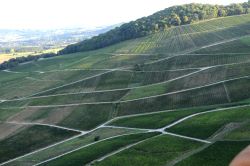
[
  {"x": 240, "y": 133},
  {"x": 103, "y": 133},
  {"x": 107, "y": 81},
  {"x": 78, "y": 117},
  {"x": 119, "y": 79},
  {"x": 42, "y": 113},
  {"x": 156, "y": 151},
  {"x": 90, "y": 153},
  {"x": 193, "y": 98},
  {"x": 6, "y": 113},
  {"x": 30, "y": 139},
  {"x": 71, "y": 99},
  {"x": 80, "y": 98},
  {"x": 145, "y": 91},
  {"x": 23, "y": 84},
  {"x": 219, "y": 154},
  {"x": 156, "y": 120},
  {"x": 221, "y": 93},
  {"x": 237, "y": 46},
  {"x": 206, "y": 77},
  {"x": 59, "y": 62},
  {"x": 204, "y": 126},
  {"x": 196, "y": 60},
  {"x": 168, "y": 87},
  {"x": 88, "y": 116},
  {"x": 239, "y": 89}
]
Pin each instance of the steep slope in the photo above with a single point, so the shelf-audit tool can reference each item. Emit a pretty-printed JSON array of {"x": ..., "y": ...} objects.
[
  {"x": 151, "y": 95},
  {"x": 160, "y": 21}
]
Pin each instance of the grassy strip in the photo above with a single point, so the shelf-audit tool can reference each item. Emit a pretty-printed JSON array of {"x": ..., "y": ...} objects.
[
  {"x": 29, "y": 140},
  {"x": 88, "y": 154},
  {"x": 157, "y": 152},
  {"x": 88, "y": 116},
  {"x": 241, "y": 133},
  {"x": 203, "y": 126},
  {"x": 57, "y": 150},
  {"x": 6, "y": 113},
  {"x": 218, "y": 154},
  {"x": 156, "y": 120},
  {"x": 198, "y": 97}
]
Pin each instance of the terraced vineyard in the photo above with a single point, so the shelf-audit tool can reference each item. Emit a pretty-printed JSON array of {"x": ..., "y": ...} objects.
[{"x": 178, "y": 97}]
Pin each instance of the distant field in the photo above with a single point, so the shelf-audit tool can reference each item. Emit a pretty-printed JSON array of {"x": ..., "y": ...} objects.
[{"x": 6, "y": 57}]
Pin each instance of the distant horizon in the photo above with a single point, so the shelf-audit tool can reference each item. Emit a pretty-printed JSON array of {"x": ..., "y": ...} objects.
[
  {"x": 67, "y": 14},
  {"x": 61, "y": 28}
]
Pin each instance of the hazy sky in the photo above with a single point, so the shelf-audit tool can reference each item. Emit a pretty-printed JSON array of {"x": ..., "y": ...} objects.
[{"x": 46, "y": 14}]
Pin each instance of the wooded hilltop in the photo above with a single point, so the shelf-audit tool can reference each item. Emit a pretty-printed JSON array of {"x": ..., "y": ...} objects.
[{"x": 160, "y": 21}]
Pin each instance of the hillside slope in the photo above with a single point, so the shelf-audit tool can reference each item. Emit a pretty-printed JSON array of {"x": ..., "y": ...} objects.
[
  {"x": 175, "y": 97},
  {"x": 159, "y": 21}
]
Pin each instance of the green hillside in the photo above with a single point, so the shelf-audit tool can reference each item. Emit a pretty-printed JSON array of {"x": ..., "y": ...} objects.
[
  {"x": 159, "y": 21},
  {"x": 173, "y": 97}
]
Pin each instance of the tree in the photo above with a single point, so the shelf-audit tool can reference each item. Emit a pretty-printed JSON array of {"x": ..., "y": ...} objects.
[
  {"x": 175, "y": 19},
  {"x": 156, "y": 27},
  {"x": 239, "y": 9},
  {"x": 195, "y": 17},
  {"x": 236, "y": 9},
  {"x": 138, "y": 67},
  {"x": 202, "y": 15},
  {"x": 162, "y": 24},
  {"x": 97, "y": 138},
  {"x": 222, "y": 13},
  {"x": 247, "y": 11},
  {"x": 185, "y": 20}
]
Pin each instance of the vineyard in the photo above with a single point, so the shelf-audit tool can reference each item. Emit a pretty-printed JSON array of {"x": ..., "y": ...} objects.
[{"x": 178, "y": 97}]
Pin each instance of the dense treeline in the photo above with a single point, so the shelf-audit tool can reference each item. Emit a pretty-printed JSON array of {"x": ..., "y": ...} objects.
[
  {"x": 173, "y": 16},
  {"x": 15, "y": 61}
]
